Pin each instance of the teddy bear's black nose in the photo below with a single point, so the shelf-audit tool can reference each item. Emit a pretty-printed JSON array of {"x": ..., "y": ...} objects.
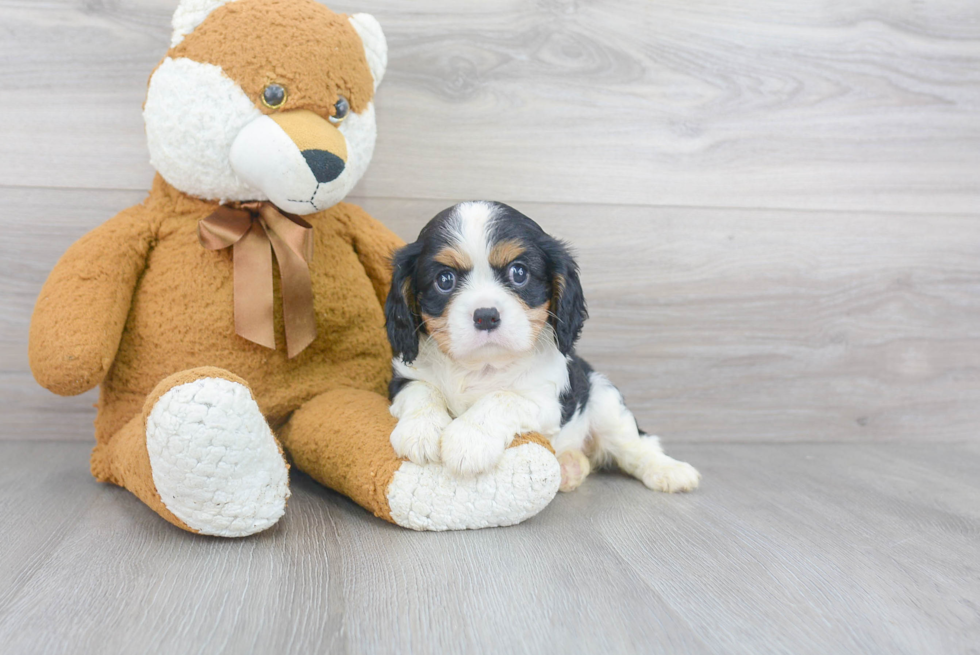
[{"x": 326, "y": 166}]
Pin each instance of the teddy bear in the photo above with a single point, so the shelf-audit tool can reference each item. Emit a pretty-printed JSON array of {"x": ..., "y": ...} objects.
[{"x": 234, "y": 320}]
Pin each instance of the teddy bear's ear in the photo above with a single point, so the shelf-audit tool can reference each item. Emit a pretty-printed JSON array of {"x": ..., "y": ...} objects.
[
  {"x": 375, "y": 45},
  {"x": 190, "y": 14}
]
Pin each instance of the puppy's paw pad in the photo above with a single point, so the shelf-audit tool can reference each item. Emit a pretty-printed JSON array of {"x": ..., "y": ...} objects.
[
  {"x": 671, "y": 477},
  {"x": 575, "y": 467},
  {"x": 417, "y": 438},
  {"x": 468, "y": 450}
]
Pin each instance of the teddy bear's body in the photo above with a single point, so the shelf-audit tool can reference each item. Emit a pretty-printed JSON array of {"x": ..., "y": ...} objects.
[
  {"x": 349, "y": 272},
  {"x": 177, "y": 315},
  {"x": 259, "y": 106}
]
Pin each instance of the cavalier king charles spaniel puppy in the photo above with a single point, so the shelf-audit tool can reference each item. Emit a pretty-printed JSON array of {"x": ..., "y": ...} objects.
[{"x": 483, "y": 315}]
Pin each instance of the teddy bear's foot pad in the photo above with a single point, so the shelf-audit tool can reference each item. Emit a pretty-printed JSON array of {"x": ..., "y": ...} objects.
[
  {"x": 432, "y": 498},
  {"x": 215, "y": 463}
]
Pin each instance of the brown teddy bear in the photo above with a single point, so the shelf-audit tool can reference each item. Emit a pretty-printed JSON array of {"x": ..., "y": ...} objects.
[{"x": 237, "y": 311}]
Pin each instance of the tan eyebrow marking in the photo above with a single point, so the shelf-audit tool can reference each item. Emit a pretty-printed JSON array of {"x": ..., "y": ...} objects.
[
  {"x": 455, "y": 258},
  {"x": 505, "y": 252}
]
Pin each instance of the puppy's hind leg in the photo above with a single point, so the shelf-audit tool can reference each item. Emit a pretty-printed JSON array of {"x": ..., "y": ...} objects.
[
  {"x": 569, "y": 448},
  {"x": 617, "y": 437}
]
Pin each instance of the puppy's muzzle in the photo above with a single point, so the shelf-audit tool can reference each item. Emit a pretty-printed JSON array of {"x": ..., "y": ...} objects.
[{"x": 486, "y": 318}]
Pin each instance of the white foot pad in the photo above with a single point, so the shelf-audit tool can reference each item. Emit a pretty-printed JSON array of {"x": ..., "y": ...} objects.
[
  {"x": 215, "y": 462},
  {"x": 431, "y": 498}
]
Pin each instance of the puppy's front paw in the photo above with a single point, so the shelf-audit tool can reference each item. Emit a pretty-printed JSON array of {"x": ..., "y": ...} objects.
[
  {"x": 417, "y": 437},
  {"x": 669, "y": 475},
  {"x": 469, "y": 449}
]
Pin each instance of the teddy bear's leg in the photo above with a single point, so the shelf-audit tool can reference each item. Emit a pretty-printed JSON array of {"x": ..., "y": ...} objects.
[
  {"x": 342, "y": 439},
  {"x": 201, "y": 455}
]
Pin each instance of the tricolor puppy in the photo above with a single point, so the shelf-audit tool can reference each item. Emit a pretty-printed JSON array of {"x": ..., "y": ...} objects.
[{"x": 483, "y": 315}]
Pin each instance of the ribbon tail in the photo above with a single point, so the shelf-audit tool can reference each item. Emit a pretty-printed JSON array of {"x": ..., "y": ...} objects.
[
  {"x": 298, "y": 314},
  {"x": 254, "y": 298}
]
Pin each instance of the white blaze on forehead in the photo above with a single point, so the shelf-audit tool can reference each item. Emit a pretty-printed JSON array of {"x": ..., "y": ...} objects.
[{"x": 469, "y": 230}]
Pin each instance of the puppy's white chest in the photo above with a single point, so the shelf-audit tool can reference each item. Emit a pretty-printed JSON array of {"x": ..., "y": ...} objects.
[
  {"x": 540, "y": 377},
  {"x": 544, "y": 393},
  {"x": 463, "y": 390}
]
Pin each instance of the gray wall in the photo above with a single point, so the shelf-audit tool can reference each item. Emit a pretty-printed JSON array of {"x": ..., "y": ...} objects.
[{"x": 776, "y": 205}]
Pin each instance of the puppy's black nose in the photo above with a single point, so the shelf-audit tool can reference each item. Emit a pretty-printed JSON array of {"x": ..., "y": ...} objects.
[
  {"x": 486, "y": 318},
  {"x": 326, "y": 166}
]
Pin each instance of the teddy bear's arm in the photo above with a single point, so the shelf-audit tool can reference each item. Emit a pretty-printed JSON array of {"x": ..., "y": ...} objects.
[
  {"x": 82, "y": 308},
  {"x": 374, "y": 244}
]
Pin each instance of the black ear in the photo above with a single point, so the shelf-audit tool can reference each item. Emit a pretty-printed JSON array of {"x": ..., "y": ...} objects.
[
  {"x": 568, "y": 310},
  {"x": 401, "y": 314}
]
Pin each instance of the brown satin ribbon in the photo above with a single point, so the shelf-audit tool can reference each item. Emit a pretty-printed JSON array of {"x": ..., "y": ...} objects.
[{"x": 254, "y": 231}]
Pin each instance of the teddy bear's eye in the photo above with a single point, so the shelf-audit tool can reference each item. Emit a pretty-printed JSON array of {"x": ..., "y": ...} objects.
[
  {"x": 274, "y": 96},
  {"x": 340, "y": 110}
]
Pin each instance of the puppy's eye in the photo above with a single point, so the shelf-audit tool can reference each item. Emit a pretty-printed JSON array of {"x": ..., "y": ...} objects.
[
  {"x": 518, "y": 275},
  {"x": 274, "y": 96},
  {"x": 446, "y": 281},
  {"x": 340, "y": 110}
]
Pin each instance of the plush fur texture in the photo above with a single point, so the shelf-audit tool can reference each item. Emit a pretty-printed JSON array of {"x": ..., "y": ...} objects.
[
  {"x": 425, "y": 498},
  {"x": 188, "y": 409},
  {"x": 190, "y": 14},
  {"x": 483, "y": 315},
  {"x": 203, "y": 104},
  {"x": 209, "y": 436}
]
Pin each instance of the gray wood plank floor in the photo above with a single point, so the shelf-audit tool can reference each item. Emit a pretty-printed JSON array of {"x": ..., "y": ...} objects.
[{"x": 788, "y": 548}]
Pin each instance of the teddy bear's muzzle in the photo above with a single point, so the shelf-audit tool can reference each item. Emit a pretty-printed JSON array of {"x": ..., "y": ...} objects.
[{"x": 291, "y": 158}]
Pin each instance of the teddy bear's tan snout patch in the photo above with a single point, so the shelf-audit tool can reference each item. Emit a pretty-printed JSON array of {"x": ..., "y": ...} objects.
[{"x": 321, "y": 144}]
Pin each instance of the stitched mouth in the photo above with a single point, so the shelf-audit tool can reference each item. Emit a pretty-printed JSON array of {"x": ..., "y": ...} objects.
[{"x": 310, "y": 201}]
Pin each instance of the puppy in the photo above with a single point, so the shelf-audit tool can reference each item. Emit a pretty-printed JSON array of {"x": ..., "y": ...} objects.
[{"x": 483, "y": 315}]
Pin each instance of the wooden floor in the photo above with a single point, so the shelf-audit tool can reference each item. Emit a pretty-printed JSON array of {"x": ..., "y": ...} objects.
[
  {"x": 776, "y": 206},
  {"x": 788, "y": 548}
]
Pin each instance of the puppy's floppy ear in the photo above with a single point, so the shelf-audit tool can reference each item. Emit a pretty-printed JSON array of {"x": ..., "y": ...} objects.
[
  {"x": 401, "y": 315},
  {"x": 568, "y": 310}
]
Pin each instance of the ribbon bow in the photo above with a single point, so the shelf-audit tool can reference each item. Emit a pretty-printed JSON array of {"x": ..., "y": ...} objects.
[{"x": 254, "y": 230}]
